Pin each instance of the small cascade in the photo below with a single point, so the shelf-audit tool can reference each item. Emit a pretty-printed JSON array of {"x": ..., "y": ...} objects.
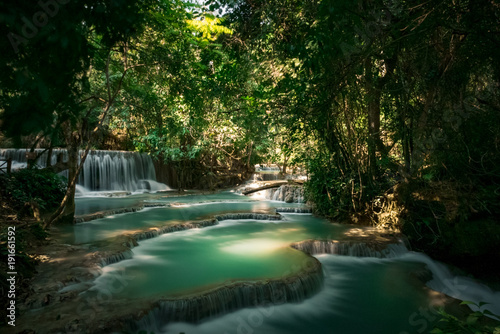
[
  {"x": 100, "y": 215},
  {"x": 153, "y": 233},
  {"x": 294, "y": 210},
  {"x": 267, "y": 176},
  {"x": 235, "y": 296},
  {"x": 276, "y": 194},
  {"x": 250, "y": 215},
  {"x": 300, "y": 197},
  {"x": 80, "y": 190},
  {"x": 459, "y": 287},
  {"x": 114, "y": 258},
  {"x": 102, "y": 170},
  {"x": 286, "y": 193},
  {"x": 265, "y": 168},
  {"x": 350, "y": 248},
  {"x": 153, "y": 186}
]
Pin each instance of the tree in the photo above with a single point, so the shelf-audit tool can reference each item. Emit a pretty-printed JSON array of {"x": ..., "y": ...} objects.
[
  {"x": 378, "y": 84},
  {"x": 65, "y": 69}
]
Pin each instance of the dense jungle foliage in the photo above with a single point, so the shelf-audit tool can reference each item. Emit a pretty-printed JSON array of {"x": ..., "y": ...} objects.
[{"x": 392, "y": 107}]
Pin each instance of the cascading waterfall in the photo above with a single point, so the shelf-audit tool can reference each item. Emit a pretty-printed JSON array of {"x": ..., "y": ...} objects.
[
  {"x": 188, "y": 306},
  {"x": 267, "y": 176},
  {"x": 264, "y": 168},
  {"x": 350, "y": 248},
  {"x": 300, "y": 197},
  {"x": 294, "y": 210},
  {"x": 460, "y": 287},
  {"x": 102, "y": 170},
  {"x": 153, "y": 233},
  {"x": 286, "y": 193},
  {"x": 234, "y": 296},
  {"x": 250, "y": 215},
  {"x": 116, "y": 170},
  {"x": 114, "y": 258}
]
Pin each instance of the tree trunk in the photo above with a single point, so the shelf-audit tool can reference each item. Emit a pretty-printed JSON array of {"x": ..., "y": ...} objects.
[
  {"x": 66, "y": 211},
  {"x": 68, "y": 214},
  {"x": 373, "y": 129},
  {"x": 48, "y": 163},
  {"x": 373, "y": 113},
  {"x": 285, "y": 160},
  {"x": 249, "y": 155},
  {"x": 374, "y": 85}
]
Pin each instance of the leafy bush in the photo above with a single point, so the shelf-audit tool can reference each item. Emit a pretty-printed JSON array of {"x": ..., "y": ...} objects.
[
  {"x": 326, "y": 189},
  {"x": 336, "y": 195},
  {"x": 472, "y": 324},
  {"x": 43, "y": 187}
]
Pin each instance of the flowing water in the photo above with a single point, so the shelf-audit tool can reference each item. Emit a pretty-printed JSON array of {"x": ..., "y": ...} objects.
[
  {"x": 225, "y": 263},
  {"x": 248, "y": 270},
  {"x": 183, "y": 209},
  {"x": 361, "y": 295},
  {"x": 358, "y": 294},
  {"x": 102, "y": 170}
]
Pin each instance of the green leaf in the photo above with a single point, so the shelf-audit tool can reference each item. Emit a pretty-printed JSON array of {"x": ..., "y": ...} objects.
[
  {"x": 471, "y": 319},
  {"x": 466, "y": 302}
]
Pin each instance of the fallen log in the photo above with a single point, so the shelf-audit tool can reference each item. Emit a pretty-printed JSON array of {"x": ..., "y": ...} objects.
[{"x": 275, "y": 184}]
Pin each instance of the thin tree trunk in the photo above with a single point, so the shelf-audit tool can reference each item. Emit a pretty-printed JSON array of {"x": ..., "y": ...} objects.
[
  {"x": 285, "y": 160},
  {"x": 249, "y": 155},
  {"x": 373, "y": 112},
  {"x": 73, "y": 173},
  {"x": 49, "y": 157}
]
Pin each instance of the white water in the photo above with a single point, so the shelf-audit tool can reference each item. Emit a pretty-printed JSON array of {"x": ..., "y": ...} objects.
[
  {"x": 264, "y": 168},
  {"x": 295, "y": 193},
  {"x": 361, "y": 295},
  {"x": 355, "y": 299},
  {"x": 102, "y": 170},
  {"x": 459, "y": 287}
]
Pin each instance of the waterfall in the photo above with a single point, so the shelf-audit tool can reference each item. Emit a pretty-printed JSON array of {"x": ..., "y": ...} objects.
[
  {"x": 114, "y": 258},
  {"x": 194, "y": 308},
  {"x": 286, "y": 193},
  {"x": 102, "y": 170},
  {"x": 277, "y": 194},
  {"x": 294, "y": 210},
  {"x": 250, "y": 215},
  {"x": 264, "y": 168},
  {"x": 300, "y": 197},
  {"x": 155, "y": 232},
  {"x": 350, "y": 248},
  {"x": 459, "y": 287},
  {"x": 257, "y": 176}
]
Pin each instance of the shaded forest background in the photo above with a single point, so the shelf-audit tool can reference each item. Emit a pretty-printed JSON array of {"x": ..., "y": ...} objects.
[{"x": 392, "y": 107}]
